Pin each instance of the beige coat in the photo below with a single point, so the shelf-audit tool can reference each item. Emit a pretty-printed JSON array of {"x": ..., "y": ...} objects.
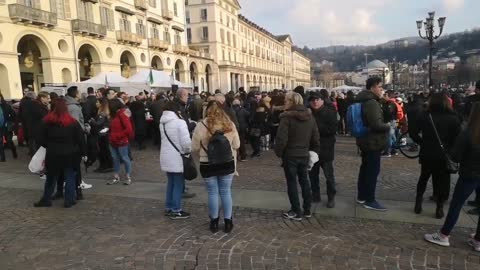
[{"x": 201, "y": 134}]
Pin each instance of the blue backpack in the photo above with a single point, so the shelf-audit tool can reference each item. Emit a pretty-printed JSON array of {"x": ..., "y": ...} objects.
[
  {"x": 2, "y": 118},
  {"x": 356, "y": 124}
]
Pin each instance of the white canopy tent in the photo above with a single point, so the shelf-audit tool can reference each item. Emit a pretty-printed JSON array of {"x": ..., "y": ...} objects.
[
  {"x": 348, "y": 88},
  {"x": 103, "y": 79},
  {"x": 161, "y": 79}
]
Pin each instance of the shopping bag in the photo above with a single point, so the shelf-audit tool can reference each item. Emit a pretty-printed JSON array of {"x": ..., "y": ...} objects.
[{"x": 37, "y": 164}]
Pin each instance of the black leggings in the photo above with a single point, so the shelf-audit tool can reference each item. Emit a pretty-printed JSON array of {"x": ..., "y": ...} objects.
[{"x": 440, "y": 179}]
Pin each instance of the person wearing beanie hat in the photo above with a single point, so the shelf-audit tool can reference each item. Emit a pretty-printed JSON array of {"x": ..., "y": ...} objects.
[{"x": 326, "y": 119}]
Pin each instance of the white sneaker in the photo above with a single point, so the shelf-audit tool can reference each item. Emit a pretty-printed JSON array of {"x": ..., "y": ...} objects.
[
  {"x": 127, "y": 181},
  {"x": 43, "y": 177},
  {"x": 84, "y": 185},
  {"x": 438, "y": 239}
]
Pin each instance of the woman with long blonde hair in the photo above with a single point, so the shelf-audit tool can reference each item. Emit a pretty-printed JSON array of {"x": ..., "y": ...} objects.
[{"x": 216, "y": 139}]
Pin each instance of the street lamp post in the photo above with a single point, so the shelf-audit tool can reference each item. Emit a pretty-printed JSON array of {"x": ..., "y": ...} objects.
[{"x": 428, "y": 25}]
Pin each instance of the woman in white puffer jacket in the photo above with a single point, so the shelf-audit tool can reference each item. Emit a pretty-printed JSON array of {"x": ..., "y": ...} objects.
[{"x": 173, "y": 126}]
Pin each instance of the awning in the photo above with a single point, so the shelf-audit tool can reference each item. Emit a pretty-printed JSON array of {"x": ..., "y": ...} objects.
[
  {"x": 153, "y": 20},
  {"x": 178, "y": 28},
  {"x": 124, "y": 10}
]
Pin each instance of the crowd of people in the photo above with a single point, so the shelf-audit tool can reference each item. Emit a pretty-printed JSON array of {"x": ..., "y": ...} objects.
[{"x": 103, "y": 127}]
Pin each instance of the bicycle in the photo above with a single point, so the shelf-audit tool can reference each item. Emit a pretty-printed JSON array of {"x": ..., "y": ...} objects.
[{"x": 407, "y": 146}]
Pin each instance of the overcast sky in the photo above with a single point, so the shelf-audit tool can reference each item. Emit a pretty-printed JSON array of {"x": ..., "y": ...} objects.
[{"x": 318, "y": 23}]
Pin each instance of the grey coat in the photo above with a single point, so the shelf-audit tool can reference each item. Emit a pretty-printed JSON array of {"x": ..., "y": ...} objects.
[{"x": 75, "y": 110}]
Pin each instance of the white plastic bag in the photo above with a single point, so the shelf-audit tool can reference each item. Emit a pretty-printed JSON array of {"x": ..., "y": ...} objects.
[
  {"x": 312, "y": 160},
  {"x": 37, "y": 164}
]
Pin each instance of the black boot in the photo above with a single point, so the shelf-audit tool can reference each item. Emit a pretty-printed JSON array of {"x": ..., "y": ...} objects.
[
  {"x": 439, "y": 212},
  {"x": 79, "y": 194},
  {"x": 418, "y": 205},
  {"x": 214, "y": 225},
  {"x": 14, "y": 152},
  {"x": 331, "y": 201},
  {"x": 42, "y": 203},
  {"x": 228, "y": 225}
]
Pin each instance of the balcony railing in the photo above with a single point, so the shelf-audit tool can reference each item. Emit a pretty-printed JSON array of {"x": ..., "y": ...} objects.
[
  {"x": 21, "y": 13},
  {"x": 89, "y": 28},
  {"x": 156, "y": 43},
  {"x": 128, "y": 37},
  {"x": 180, "y": 49},
  {"x": 167, "y": 14},
  {"x": 141, "y": 4}
]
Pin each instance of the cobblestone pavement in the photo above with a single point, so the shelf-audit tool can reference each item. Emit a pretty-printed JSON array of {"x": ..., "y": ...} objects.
[
  {"x": 108, "y": 232},
  {"x": 397, "y": 180}
]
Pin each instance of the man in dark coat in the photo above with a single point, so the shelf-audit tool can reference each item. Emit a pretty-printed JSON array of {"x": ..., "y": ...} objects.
[
  {"x": 89, "y": 108},
  {"x": 372, "y": 144},
  {"x": 156, "y": 109},
  {"x": 326, "y": 118},
  {"x": 138, "y": 117},
  {"x": 32, "y": 111},
  {"x": 293, "y": 147}
]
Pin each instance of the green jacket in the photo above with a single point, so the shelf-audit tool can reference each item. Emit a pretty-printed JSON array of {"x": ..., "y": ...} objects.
[
  {"x": 377, "y": 137},
  {"x": 297, "y": 134}
]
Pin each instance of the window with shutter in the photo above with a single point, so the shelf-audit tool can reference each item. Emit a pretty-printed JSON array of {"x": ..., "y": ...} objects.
[
  {"x": 57, "y": 6},
  {"x": 189, "y": 35},
  {"x": 175, "y": 9},
  {"x": 80, "y": 10},
  {"x": 2, "y": 2},
  {"x": 110, "y": 20},
  {"x": 68, "y": 13},
  {"x": 103, "y": 16},
  {"x": 152, "y": 3},
  {"x": 36, "y": 4}
]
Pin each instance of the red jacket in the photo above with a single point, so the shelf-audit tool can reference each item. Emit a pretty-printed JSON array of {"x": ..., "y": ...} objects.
[{"x": 120, "y": 129}]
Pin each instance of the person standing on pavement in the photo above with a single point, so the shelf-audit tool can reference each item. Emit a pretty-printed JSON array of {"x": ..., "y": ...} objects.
[
  {"x": 217, "y": 128},
  {"x": 242, "y": 116},
  {"x": 139, "y": 120},
  {"x": 175, "y": 135},
  {"x": 32, "y": 111},
  {"x": 100, "y": 128},
  {"x": 293, "y": 148},
  {"x": 467, "y": 152},
  {"x": 121, "y": 132},
  {"x": 64, "y": 141},
  {"x": 156, "y": 108},
  {"x": 432, "y": 159},
  {"x": 7, "y": 122},
  {"x": 75, "y": 110},
  {"x": 371, "y": 145},
  {"x": 326, "y": 119}
]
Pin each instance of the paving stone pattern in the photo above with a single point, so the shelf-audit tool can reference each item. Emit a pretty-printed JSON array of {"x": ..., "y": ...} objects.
[{"x": 108, "y": 232}]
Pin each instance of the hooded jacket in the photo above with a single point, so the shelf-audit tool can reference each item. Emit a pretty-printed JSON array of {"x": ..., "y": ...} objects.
[
  {"x": 177, "y": 130},
  {"x": 377, "y": 137},
  {"x": 297, "y": 134},
  {"x": 75, "y": 110}
]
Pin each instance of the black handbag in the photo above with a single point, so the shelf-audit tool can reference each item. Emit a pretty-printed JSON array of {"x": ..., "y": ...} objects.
[
  {"x": 189, "y": 168},
  {"x": 452, "y": 166}
]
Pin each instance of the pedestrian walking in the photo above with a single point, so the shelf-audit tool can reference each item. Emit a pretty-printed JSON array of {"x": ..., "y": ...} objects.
[
  {"x": 372, "y": 144},
  {"x": 440, "y": 116},
  {"x": 293, "y": 148},
  {"x": 7, "y": 123},
  {"x": 121, "y": 133},
  {"x": 217, "y": 140},
  {"x": 466, "y": 151}
]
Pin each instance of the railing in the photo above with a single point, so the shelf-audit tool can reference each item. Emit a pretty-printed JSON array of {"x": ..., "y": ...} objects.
[
  {"x": 89, "y": 28},
  {"x": 23, "y": 13},
  {"x": 167, "y": 14},
  {"x": 181, "y": 49},
  {"x": 93, "y": 1},
  {"x": 128, "y": 37},
  {"x": 158, "y": 44},
  {"x": 203, "y": 39},
  {"x": 141, "y": 4}
]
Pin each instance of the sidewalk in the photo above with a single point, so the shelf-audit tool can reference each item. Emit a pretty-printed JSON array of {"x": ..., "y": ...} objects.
[{"x": 346, "y": 206}]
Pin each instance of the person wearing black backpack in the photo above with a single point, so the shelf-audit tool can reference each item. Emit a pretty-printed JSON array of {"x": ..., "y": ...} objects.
[{"x": 217, "y": 140}]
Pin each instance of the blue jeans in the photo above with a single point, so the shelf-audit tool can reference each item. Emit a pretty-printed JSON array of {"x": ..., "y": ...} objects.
[
  {"x": 175, "y": 186},
  {"x": 392, "y": 138},
  {"x": 463, "y": 189},
  {"x": 69, "y": 175},
  {"x": 220, "y": 185},
  {"x": 119, "y": 155},
  {"x": 367, "y": 177}
]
